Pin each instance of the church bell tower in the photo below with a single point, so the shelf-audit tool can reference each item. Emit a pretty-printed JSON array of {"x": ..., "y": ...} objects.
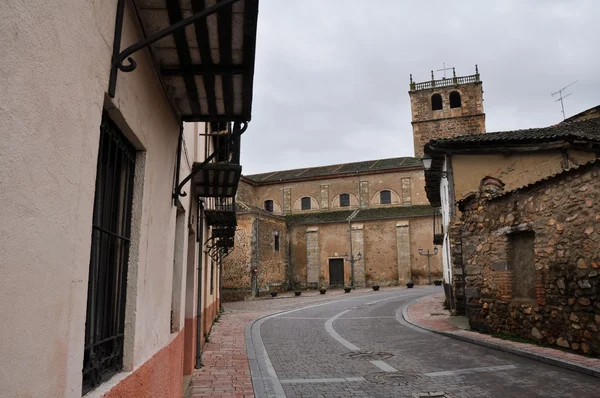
[{"x": 446, "y": 107}]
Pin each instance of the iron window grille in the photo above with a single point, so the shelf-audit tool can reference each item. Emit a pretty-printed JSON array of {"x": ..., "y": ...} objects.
[
  {"x": 385, "y": 197},
  {"x": 107, "y": 284},
  {"x": 305, "y": 203},
  {"x": 345, "y": 200}
]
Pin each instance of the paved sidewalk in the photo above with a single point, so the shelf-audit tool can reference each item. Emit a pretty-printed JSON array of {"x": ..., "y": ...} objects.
[
  {"x": 429, "y": 313},
  {"x": 226, "y": 372}
]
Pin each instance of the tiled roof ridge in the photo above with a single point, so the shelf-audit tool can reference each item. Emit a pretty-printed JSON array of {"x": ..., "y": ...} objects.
[
  {"x": 334, "y": 169},
  {"x": 567, "y": 126}
]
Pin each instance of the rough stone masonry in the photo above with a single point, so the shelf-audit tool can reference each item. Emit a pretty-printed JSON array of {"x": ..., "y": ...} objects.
[{"x": 553, "y": 298}]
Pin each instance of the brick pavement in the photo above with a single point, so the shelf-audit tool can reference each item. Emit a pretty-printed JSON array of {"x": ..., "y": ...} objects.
[
  {"x": 428, "y": 312},
  {"x": 226, "y": 372}
]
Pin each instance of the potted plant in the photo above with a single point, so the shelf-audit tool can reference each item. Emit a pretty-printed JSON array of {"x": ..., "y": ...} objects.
[
  {"x": 347, "y": 289},
  {"x": 410, "y": 284},
  {"x": 437, "y": 282},
  {"x": 323, "y": 290},
  {"x": 273, "y": 294},
  {"x": 375, "y": 287},
  {"x": 297, "y": 292}
]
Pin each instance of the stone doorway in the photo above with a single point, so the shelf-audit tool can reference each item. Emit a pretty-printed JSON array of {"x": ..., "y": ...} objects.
[{"x": 336, "y": 272}]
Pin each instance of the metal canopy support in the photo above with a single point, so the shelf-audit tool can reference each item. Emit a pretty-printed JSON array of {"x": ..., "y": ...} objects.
[
  {"x": 119, "y": 56},
  {"x": 235, "y": 137}
]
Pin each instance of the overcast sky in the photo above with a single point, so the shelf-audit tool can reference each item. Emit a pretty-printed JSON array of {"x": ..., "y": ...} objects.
[{"x": 332, "y": 76}]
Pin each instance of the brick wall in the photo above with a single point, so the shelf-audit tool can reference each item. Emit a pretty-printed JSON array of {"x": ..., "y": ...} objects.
[{"x": 564, "y": 214}]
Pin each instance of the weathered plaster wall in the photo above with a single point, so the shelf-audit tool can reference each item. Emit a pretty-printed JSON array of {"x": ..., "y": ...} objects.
[
  {"x": 45, "y": 240},
  {"x": 514, "y": 170},
  {"x": 563, "y": 214}
]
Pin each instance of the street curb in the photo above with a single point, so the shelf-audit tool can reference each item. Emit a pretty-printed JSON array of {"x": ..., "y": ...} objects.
[{"x": 511, "y": 350}]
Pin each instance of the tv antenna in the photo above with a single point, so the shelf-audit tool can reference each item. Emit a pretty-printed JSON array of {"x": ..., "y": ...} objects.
[{"x": 561, "y": 97}]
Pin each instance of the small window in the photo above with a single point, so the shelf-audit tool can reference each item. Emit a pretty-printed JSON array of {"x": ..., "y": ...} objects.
[
  {"x": 276, "y": 241},
  {"x": 455, "y": 100},
  {"x": 436, "y": 102},
  {"x": 345, "y": 200},
  {"x": 305, "y": 203},
  {"x": 269, "y": 206},
  {"x": 385, "y": 197}
]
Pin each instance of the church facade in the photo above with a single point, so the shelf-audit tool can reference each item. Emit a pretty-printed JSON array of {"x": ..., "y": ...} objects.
[{"x": 355, "y": 224}]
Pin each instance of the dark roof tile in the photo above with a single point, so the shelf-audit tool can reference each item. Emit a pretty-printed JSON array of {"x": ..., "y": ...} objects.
[{"x": 345, "y": 168}]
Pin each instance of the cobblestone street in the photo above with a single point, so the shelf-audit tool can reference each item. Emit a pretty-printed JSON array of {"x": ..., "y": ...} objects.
[{"x": 360, "y": 345}]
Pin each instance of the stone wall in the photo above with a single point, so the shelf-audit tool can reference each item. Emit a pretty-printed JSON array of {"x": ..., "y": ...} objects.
[
  {"x": 564, "y": 307},
  {"x": 389, "y": 250},
  {"x": 446, "y": 122},
  {"x": 255, "y": 247}
]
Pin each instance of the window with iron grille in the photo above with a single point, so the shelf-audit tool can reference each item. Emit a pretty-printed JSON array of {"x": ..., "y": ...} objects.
[
  {"x": 107, "y": 283},
  {"x": 385, "y": 197},
  {"x": 305, "y": 203},
  {"x": 345, "y": 200},
  {"x": 269, "y": 206}
]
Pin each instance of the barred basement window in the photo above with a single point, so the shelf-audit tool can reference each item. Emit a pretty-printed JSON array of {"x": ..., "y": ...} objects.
[
  {"x": 385, "y": 197},
  {"x": 305, "y": 203},
  {"x": 107, "y": 283},
  {"x": 344, "y": 200}
]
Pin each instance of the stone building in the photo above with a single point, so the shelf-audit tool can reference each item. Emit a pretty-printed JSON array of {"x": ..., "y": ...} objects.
[
  {"x": 517, "y": 158},
  {"x": 317, "y": 206},
  {"x": 296, "y": 226},
  {"x": 445, "y": 108},
  {"x": 105, "y": 289},
  {"x": 531, "y": 259}
]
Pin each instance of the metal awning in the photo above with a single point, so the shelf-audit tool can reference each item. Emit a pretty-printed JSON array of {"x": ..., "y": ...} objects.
[{"x": 204, "y": 50}]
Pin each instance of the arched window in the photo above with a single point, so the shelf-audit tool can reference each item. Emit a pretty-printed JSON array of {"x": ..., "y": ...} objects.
[
  {"x": 269, "y": 205},
  {"x": 344, "y": 200},
  {"x": 436, "y": 102},
  {"x": 385, "y": 197},
  {"x": 455, "y": 100},
  {"x": 305, "y": 203}
]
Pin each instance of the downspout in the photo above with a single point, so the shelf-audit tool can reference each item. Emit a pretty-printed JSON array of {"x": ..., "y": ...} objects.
[
  {"x": 178, "y": 160},
  {"x": 199, "y": 300},
  {"x": 354, "y": 213}
]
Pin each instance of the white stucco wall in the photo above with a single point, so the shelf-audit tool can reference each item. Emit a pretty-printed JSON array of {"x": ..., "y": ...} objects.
[
  {"x": 446, "y": 215},
  {"x": 55, "y": 65}
]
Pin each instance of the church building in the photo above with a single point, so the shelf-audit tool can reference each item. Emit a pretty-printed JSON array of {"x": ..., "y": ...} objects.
[{"x": 354, "y": 224}]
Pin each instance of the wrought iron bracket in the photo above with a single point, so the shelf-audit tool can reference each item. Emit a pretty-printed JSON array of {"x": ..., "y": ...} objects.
[
  {"x": 237, "y": 131},
  {"x": 119, "y": 57}
]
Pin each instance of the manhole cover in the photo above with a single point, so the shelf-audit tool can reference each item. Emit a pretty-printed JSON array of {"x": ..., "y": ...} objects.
[
  {"x": 368, "y": 355},
  {"x": 395, "y": 378}
]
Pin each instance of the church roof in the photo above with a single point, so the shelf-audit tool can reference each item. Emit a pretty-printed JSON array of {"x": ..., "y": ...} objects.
[
  {"x": 377, "y": 213},
  {"x": 367, "y": 166}
]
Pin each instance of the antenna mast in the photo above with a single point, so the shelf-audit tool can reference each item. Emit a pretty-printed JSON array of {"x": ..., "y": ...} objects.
[{"x": 561, "y": 97}]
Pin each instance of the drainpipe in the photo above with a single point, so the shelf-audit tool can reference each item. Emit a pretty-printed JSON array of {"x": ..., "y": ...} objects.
[
  {"x": 199, "y": 300},
  {"x": 351, "y": 252}
]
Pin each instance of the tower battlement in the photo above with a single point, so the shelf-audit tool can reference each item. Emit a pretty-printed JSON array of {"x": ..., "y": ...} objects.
[{"x": 445, "y": 108}]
